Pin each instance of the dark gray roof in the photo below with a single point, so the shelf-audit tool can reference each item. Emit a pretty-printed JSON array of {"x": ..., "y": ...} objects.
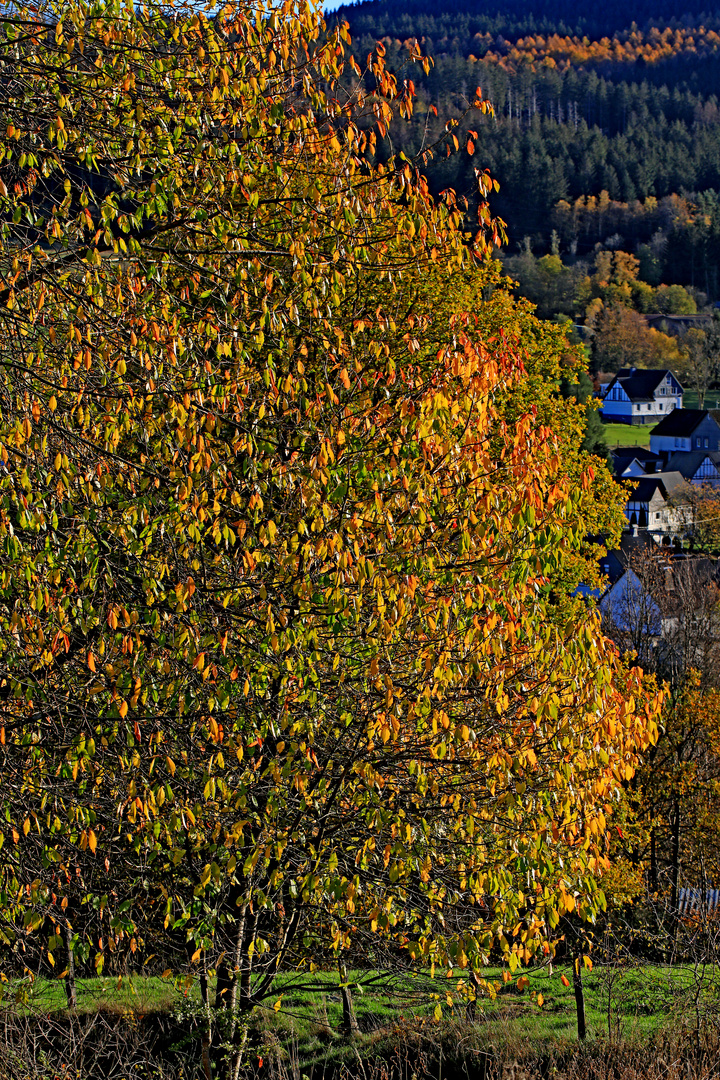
[
  {"x": 625, "y": 455},
  {"x": 645, "y": 486},
  {"x": 635, "y": 453},
  {"x": 680, "y": 422},
  {"x": 641, "y": 385},
  {"x": 688, "y": 462}
]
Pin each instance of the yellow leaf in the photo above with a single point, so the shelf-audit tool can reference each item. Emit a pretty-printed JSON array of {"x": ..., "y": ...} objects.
[
  {"x": 92, "y": 841},
  {"x": 51, "y": 959},
  {"x": 196, "y": 956},
  {"x": 171, "y": 765},
  {"x": 438, "y": 1013},
  {"x": 540, "y": 999},
  {"x": 123, "y": 709},
  {"x": 26, "y": 826},
  {"x": 278, "y": 1005}
]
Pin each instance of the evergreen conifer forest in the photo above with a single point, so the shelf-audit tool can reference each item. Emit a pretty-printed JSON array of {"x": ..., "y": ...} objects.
[{"x": 616, "y": 103}]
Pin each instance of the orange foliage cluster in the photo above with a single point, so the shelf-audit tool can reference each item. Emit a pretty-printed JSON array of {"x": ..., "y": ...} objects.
[{"x": 563, "y": 52}]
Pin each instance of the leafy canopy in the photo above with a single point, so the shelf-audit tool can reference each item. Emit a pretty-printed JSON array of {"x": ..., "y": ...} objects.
[{"x": 289, "y": 660}]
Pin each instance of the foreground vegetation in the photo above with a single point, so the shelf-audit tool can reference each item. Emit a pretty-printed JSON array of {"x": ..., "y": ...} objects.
[{"x": 630, "y": 1010}]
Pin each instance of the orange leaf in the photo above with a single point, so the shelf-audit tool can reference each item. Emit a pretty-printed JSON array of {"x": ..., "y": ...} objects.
[{"x": 564, "y": 980}]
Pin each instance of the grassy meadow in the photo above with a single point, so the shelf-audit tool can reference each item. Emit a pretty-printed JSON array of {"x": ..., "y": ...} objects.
[
  {"x": 635, "y": 1003},
  {"x": 627, "y": 435}
]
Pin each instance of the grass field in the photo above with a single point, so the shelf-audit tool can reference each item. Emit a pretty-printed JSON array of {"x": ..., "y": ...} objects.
[
  {"x": 627, "y": 435},
  {"x": 635, "y": 1002},
  {"x": 628, "y": 1003},
  {"x": 712, "y": 400}
]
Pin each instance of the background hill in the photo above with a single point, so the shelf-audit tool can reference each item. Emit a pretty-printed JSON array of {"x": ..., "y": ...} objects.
[{"x": 606, "y": 127}]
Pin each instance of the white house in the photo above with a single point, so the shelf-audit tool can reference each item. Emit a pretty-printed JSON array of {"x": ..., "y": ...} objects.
[{"x": 641, "y": 397}]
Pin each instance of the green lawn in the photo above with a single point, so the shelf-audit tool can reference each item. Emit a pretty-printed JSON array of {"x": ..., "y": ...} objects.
[
  {"x": 627, "y": 434},
  {"x": 632, "y": 1003},
  {"x": 712, "y": 400},
  {"x": 621, "y": 1003}
]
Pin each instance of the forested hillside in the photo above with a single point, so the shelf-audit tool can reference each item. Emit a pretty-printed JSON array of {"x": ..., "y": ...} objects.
[{"x": 617, "y": 99}]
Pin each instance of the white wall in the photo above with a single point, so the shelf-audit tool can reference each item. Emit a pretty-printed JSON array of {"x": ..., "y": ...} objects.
[{"x": 658, "y": 443}]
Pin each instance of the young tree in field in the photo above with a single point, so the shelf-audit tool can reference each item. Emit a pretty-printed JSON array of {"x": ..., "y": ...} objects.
[{"x": 290, "y": 664}]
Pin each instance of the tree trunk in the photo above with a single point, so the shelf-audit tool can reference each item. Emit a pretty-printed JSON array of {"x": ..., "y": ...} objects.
[
  {"x": 70, "y": 986},
  {"x": 246, "y": 962},
  {"x": 350, "y": 1024},
  {"x": 675, "y": 871},
  {"x": 206, "y": 1036},
  {"x": 579, "y": 993}
]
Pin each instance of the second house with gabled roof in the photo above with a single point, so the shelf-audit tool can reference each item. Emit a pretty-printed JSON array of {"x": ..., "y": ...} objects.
[
  {"x": 655, "y": 504},
  {"x": 641, "y": 397},
  {"x": 685, "y": 429}
]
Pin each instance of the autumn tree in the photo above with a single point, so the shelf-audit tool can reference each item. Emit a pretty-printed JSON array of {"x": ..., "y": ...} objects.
[
  {"x": 290, "y": 660},
  {"x": 622, "y": 338}
]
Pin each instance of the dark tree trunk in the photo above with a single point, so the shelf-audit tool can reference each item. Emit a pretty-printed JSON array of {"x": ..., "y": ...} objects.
[
  {"x": 675, "y": 870},
  {"x": 579, "y": 993},
  {"x": 70, "y": 986},
  {"x": 350, "y": 1024}
]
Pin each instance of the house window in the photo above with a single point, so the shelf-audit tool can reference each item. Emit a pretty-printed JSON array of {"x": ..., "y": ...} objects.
[
  {"x": 677, "y": 444},
  {"x": 705, "y": 443},
  {"x": 697, "y": 442},
  {"x": 648, "y": 407},
  {"x": 660, "y": 406}
]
